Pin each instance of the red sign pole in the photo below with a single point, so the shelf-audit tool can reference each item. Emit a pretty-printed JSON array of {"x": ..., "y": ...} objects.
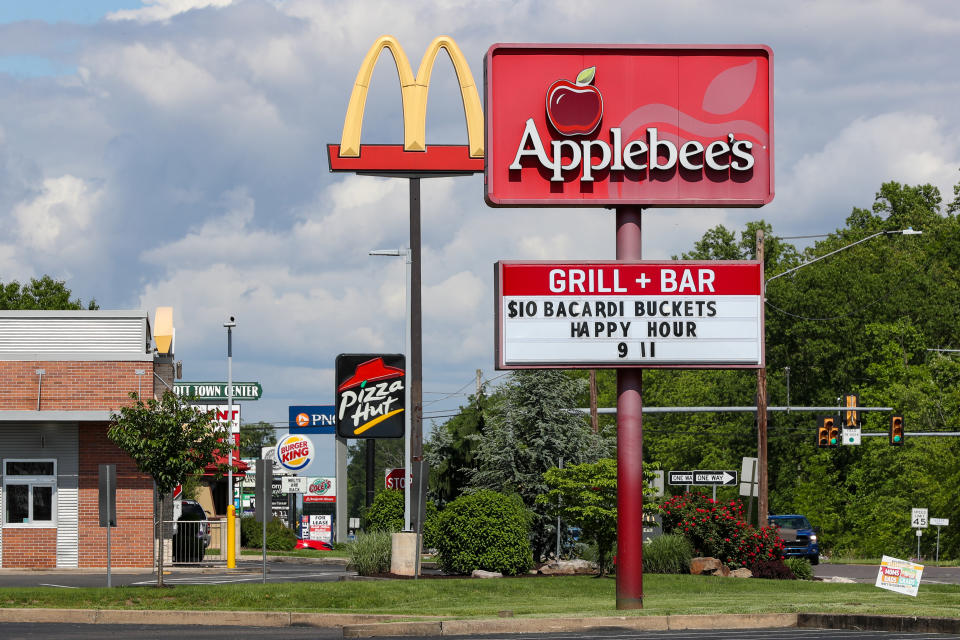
[{"x": 629, "y": 445}]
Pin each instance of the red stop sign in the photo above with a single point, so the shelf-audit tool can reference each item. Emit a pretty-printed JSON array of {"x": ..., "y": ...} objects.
[{"x": 394, "y": 479}]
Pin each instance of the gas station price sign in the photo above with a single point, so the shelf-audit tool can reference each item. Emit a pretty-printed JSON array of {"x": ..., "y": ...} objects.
[{"x": 685, "y": 314}]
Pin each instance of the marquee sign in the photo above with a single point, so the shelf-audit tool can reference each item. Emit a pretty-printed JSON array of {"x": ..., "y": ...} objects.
[
  {"x": 370, "y": 395},
  {"x": 692, "y": 314},
  {"x": 653, "y": 125},
  {"x": 414, "y": 156}
]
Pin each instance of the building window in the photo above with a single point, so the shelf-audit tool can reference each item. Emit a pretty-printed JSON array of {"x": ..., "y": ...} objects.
[{"x": 29, "y": 492}]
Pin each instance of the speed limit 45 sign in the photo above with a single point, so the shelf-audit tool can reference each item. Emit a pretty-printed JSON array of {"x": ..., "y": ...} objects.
[{"x": 918, "y": 519}]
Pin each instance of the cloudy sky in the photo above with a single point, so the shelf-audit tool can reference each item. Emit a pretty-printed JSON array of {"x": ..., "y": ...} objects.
[{"x": 171, "y": 152}]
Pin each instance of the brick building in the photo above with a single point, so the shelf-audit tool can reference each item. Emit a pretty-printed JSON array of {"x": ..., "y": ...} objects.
[{"x": 62, "y": 374}]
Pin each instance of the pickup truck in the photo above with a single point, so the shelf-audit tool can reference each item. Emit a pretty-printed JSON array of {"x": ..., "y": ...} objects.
[{"x": 799, "y": 536}]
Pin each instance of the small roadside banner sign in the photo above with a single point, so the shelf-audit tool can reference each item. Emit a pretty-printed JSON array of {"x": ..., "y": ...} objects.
[
  {"x": 898, "y": 575},
  {"x": 940, "y": 522}
]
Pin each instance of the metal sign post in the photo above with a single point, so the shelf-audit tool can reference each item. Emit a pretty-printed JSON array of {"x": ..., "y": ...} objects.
[
  {"x": 108, "y": 505},
  {"x": 264, "y": 498},
  {"x": 939, "y": 522}
]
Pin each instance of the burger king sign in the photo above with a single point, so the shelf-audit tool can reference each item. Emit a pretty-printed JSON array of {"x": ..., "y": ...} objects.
[{"x": 294, "y": 452}]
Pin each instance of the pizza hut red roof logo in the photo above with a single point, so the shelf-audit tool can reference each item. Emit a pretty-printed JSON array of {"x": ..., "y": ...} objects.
[
  {"x": 575, "y": 109},
  {"x": 371, "y": 371}
]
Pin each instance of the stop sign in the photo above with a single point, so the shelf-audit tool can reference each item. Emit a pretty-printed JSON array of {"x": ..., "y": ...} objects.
[{"x": 394, "y": 479}]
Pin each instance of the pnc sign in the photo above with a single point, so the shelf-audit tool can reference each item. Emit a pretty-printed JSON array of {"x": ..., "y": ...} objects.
[
  {"x": 653, "y": 125},
  {"x": 414, "y": 156}
]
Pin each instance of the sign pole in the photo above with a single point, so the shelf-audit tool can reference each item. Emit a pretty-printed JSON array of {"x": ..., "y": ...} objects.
[
  {"x": 629, "y": 445},
  {"x": 110, "y": 518},
  {"x": 416, "y": 327}
]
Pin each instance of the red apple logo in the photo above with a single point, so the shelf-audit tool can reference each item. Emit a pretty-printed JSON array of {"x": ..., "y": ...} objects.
[{"x": 575, "y": 109}]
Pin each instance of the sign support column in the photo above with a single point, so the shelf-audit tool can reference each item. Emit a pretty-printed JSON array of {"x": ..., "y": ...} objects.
[
  {"x": 629, "y": 445},
  {"x": 762, "y": 509}
]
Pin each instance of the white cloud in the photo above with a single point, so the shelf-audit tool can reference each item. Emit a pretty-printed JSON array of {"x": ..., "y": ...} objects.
[
  {"x": 58, "y": 215},
  {"x": 156, "y": 10}
]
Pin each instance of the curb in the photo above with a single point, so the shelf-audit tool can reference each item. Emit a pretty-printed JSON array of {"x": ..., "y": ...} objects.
[
  {"x": 908, "y": 624},
  {"x": 383, "y": 625}
]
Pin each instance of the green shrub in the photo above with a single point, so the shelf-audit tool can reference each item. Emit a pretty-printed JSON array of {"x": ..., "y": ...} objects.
[
  {"x": 386, "y": 512},
  {"x": 801, "y": 567},
  {"x": 370, "y": 553},
  {"x": 484, "y": 530},
  {"x": 669, "y": 553},
  {"x": 431, "y": 527},
  {"x": 279, "y": 537}
]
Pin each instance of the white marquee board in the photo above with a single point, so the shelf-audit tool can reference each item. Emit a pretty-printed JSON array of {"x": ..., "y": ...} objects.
[{"x": 690, "y": 314}]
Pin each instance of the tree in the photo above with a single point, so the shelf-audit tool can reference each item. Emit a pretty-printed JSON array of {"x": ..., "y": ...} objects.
[
  {"x": 45, "y": 293},
  {"x": 388, "y": 454},
  {"x": 167, "y": 440},
  {"x": 527, "y": 433},
  {"x": 585, "y": 495},
  {"x": 254, "y": 436},
  {"x": 452, "y": 447}
]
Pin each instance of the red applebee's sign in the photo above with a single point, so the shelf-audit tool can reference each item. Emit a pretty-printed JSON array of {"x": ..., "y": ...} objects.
[
  {"x": 694, "y": 314},
  {"x": 600, "y": 125}
]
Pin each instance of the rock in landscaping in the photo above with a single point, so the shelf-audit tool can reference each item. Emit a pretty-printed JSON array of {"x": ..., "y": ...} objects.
[
  {"x": 480, "y": 573},
  {"x": 741, "y": 573},
  {"x": 840, "y": 579},
  {"x": 723, "y": 571},
  {"x": 568, "y": 567},
  {"x": 700, "y": 566}
]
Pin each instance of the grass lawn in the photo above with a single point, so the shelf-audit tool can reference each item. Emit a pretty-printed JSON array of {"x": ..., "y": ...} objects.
[
  {"x": 298, "y": 553},
  {"x": 463, "y": 598}
]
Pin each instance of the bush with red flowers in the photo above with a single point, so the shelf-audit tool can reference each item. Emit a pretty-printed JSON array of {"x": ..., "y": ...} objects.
[{"x": 718, "y": 529}]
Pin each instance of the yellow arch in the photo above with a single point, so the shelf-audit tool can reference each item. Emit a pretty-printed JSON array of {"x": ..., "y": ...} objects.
[{"x": 413, "y": 93}]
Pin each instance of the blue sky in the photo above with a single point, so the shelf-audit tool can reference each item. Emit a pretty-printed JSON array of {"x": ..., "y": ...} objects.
[
  {"x": 78, "y": 11},
  {"x": 172, "y": 153}
]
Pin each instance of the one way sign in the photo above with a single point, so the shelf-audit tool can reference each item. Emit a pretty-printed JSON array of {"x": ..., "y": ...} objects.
[{"x": 715, "y": 478}]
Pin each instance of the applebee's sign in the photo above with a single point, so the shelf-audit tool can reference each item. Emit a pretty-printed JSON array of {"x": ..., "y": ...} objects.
[{"x": 641, "y": 125}]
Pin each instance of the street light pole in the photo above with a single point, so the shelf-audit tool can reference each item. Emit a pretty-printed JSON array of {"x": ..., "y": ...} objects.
[
  {"x": 407, "y": 469},
  {"x": 231, "y": 528}
]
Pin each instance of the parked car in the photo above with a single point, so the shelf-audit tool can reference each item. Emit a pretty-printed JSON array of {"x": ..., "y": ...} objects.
[
  {"x": 316, "y": 545},
  {"x": 799, "y": 536},
  {"x": 192, "y": 536}
]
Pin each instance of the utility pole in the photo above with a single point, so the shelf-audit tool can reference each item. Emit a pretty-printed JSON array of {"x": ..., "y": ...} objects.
[
  {"x": 761, "y": 419},
  {"x": 479, "y": 382}
]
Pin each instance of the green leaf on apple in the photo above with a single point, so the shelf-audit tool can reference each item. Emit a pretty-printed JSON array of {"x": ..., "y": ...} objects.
[{"x": 586, "y": 76}]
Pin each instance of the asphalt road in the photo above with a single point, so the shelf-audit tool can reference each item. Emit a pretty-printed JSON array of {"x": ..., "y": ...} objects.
[
  {"x": 18, "y": 631},
  {"x": 246, "y": 572},
  {"x": 868, "y": 573}
]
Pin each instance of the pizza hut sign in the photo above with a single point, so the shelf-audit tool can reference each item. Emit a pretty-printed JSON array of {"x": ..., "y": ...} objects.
[{"x": 643, "y": 125}]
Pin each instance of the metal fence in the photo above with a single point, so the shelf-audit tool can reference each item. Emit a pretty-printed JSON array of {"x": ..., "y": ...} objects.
[{"x": 194, "y": 541}]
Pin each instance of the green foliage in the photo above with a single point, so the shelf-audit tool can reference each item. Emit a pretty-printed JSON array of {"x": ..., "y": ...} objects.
[
  {"x": 45, "y": 293},
  {"x": 586, "y": 495},
  {"x": 254, "y": 436},
  {"x": 801, "y": 568},
  {"x": 386, "y": 512},
  {"x": 168, "y": 440},
  {"x": 370, "y": 553},
  {"x": 669, "y": 553},
  {"x": 484, "y": 530},
  {"x": 388, "y": 454},
  {"x": 526, "y": 433},
  {"x": 279, "y": 537},
  {"x": 717, "y": 529},
  {"x": 452, "y": 447}
]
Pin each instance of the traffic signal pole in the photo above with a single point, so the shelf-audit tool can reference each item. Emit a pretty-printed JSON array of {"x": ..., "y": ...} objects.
[{"x": 629, "y": 445}]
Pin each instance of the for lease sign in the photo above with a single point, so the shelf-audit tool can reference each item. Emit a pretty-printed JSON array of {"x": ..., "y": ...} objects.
[
  {"x": 650, "y": 125},
  {"x": 695, "y": 314}
]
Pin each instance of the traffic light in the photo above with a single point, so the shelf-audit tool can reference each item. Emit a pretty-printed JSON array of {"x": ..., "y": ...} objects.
[
  {"x": 851, "y": 417},
  {"x": 896, "y": 431},
  {"x": 828, "y": 435}
]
